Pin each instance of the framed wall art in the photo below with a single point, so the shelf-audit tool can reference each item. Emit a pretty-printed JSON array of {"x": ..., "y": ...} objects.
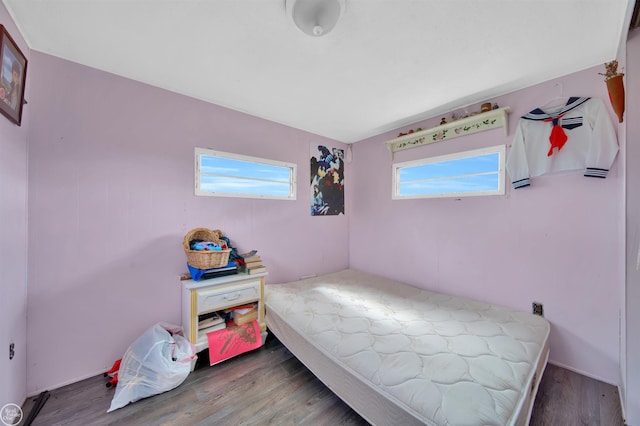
[
  {"x": 327, "y": 181},
  {"x": 13, "y": 72}
]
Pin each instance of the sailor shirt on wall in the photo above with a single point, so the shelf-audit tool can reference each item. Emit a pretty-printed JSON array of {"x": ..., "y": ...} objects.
[{"x": 577, "y": 136}]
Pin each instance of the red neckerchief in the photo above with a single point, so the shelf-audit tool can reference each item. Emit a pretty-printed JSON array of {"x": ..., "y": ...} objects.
[{"x": 557, "y": 137}]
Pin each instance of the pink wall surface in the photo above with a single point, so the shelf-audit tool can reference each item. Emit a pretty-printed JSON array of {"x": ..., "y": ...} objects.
[
  {"x": 631, "y": 360},
  {"x": 111, "y": 195},
  {"x": 13, "y": 242},
  {"x": 558, "y": 242}
]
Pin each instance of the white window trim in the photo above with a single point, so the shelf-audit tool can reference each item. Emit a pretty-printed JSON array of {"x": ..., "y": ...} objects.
[
  {"x": 209, "y": 152},
  {"x": 499, "y": 149}
]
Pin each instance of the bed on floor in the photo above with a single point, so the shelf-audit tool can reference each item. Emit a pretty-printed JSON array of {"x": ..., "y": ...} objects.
[{"x": 399, "y": 355}]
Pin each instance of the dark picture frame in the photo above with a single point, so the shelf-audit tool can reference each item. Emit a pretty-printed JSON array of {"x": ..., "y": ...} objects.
[
  {"x": 13, "y": 74},
  {"x": 327, "y": 181}
]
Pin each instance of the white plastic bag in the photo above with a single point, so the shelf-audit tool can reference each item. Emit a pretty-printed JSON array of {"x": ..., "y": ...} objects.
[{"x": 156, "y": 362}]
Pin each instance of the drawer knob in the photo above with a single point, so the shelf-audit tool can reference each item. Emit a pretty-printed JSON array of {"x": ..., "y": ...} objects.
[{"x": 231, "y": 296}]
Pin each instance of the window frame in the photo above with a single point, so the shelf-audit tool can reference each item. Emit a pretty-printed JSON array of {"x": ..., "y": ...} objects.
[
  {"x": 293, "y": 173},
  {"x": 497, "y": 149}
]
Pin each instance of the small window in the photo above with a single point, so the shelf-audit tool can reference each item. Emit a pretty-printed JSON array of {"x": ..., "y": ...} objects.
[
  {"x": 463, "y": 174},
  {"x": 231, "y": 175}
]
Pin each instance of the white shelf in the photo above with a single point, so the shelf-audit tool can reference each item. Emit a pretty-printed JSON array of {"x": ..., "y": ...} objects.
[{"x": 464, "y": 126}]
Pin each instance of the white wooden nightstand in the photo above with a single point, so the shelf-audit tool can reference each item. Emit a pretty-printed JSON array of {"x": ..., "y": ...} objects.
[{"x": 215, "y": 294}]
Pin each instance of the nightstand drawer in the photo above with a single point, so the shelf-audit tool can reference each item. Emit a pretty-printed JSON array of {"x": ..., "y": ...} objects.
[{"x": 222, "y": 298}]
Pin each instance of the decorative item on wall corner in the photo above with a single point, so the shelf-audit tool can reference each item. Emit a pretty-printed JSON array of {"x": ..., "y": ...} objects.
[
  {"x": 615, "y": 86},
  {"x": 348, "y": 156},
  {"x": 13, "y": 72}
]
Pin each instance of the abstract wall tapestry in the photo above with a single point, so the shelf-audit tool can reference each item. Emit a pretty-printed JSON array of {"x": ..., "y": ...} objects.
[{"x": 327, "y": 181}]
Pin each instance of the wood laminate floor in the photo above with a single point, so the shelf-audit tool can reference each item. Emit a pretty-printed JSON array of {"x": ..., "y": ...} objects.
[{"x": 269, "y": 386}]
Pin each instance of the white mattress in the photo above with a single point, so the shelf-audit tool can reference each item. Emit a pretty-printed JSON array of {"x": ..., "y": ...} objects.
[{"x": 401, "y": 355}]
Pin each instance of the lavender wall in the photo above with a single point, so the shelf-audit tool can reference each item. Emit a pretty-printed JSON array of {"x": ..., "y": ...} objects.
[
  {"x": 111, "y": 168},
  {"x": 13, "y": 242},
  {"x": 111, "y": 195},
  {"x": 631, "y": 361},
  {"x": 558, "y": 242}
]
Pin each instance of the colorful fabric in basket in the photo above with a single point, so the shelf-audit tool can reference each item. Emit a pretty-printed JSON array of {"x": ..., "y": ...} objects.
[
  {"x": 233, "y": 340},
  {"x": 207, "y": 245}
]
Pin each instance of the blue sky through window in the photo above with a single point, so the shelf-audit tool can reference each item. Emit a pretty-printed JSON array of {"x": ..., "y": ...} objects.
[
  {"x": 223, "y": 175},
  {"x": 471, "y": 173},
  {"x": 246, "y": 169}
]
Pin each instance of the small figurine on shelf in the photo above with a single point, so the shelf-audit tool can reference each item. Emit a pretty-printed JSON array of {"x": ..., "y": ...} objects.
[{"x": 409, "y": 132}]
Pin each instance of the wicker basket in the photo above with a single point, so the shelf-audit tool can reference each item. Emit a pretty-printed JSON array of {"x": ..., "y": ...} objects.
[{"x": 205, "y": 259}]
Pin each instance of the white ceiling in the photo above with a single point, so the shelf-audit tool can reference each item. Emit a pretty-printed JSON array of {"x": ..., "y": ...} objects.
[{"x": 386, "y": 64}]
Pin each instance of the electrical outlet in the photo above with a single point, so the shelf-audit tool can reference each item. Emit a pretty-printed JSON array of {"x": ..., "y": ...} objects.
[
  {"x": 537, "y": 309},
  {"x": 12, "y": 350}
]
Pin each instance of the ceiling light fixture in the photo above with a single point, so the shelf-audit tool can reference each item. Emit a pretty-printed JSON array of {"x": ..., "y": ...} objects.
[{"x": 315, "y": 17}]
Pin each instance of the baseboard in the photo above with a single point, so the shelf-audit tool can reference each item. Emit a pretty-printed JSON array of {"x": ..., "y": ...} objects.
[
  {"x": 65, "y": 383},
  {"x": 584, "y": 373},
  {"x": 624, "y": 417}
]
